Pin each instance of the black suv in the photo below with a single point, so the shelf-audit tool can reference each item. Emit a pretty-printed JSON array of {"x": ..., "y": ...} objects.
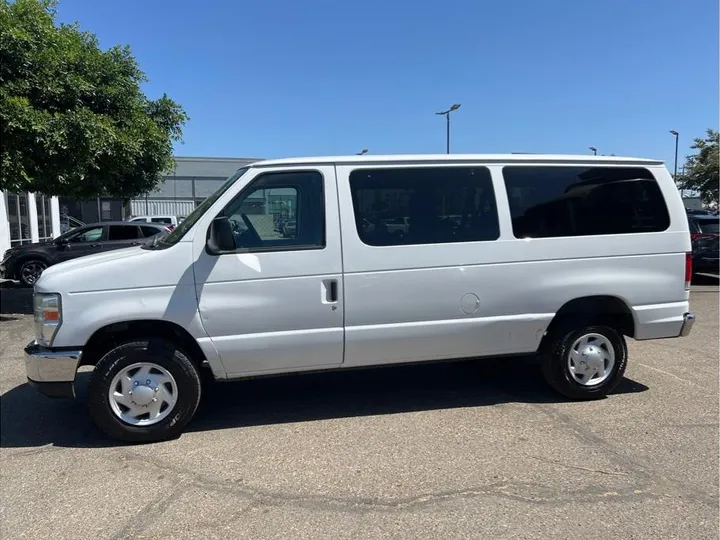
[
  {"x": 705, "y": 242},
  {"x": 26, "y": 262}
]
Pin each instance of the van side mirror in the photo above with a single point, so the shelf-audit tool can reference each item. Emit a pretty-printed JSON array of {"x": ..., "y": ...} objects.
[{"x": 220, "y": 238}]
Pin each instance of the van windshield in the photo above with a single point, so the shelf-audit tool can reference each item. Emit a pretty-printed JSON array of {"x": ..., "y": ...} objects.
[{"x": 166, "y": 240}]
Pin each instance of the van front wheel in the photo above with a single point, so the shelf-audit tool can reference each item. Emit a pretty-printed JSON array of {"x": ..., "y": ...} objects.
[
  {"x": 586, "y": 362},
  {"x": 144, "y": 391}
]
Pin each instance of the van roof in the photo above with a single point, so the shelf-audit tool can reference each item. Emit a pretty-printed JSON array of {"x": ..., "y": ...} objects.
[{"x": 458, "y": 158}]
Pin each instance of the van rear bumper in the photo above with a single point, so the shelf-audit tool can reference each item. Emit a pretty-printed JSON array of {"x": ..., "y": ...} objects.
[
  {"x": 689, "y": 320},
  {"x": 659, "y": 321}
]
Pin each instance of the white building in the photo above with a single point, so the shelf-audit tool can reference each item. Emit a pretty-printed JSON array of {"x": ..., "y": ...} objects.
[
  {"x": 27, "y": 218},
  {"x": 30, "y": 217},
  {"x": 190, "y": 181}
]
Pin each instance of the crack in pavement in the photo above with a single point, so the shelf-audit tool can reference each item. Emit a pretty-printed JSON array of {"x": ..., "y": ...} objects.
[
  {"x": 576, "y": 467},
  {"x": 150, "y": 512},
  {"x": 676, "y": 377},
  {"x": 517, "y": 491},
  {"x": 44, "y": 449},
  {"x": 648, "y": 473}
]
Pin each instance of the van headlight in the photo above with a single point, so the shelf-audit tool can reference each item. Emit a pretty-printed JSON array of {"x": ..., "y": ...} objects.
[{"x": 48, "y": 316}]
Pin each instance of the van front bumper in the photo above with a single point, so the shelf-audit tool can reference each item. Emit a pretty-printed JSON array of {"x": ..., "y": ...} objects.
[{"x": 52, "y": 372}]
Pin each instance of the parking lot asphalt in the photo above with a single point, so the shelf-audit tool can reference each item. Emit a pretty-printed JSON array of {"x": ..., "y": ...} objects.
[{"x": 459, "y": 450}]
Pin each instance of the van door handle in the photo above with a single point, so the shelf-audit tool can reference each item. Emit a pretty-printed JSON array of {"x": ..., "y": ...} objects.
[{"x": 329, "y": 291}]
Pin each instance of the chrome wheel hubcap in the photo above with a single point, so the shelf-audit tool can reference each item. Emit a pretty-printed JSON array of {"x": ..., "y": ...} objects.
[
  {"x": 591, "y": 359},
  {"x": 143, "y": 394},
  {"x": 31, "y": 271}
]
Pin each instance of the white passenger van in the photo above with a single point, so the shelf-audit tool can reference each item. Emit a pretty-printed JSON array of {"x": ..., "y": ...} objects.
[{"x": 496, "y": 255}]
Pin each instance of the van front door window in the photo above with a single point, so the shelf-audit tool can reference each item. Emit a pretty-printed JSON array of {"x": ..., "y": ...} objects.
[{"x": 278, "y": 212}]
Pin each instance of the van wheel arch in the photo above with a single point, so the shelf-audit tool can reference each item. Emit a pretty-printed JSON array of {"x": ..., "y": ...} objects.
[
  {"x": 111, "y": 336},
  {"x": 608, "y": 310}
]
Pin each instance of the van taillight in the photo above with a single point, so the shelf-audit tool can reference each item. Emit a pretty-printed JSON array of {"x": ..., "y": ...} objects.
[{"x": 688, "y": 270}]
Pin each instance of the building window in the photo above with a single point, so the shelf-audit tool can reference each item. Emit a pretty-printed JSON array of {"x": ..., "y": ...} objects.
[
  {"x": 424, "y": 205},
  {"x": 106, "y": 212},
  {"x": 47, "y": 207},
  {"x": 64, "y": 219},
  {"x": 550, "y": 201},
  {"x": 44, "y": 217},
  {"x": 18, "y": 218}
]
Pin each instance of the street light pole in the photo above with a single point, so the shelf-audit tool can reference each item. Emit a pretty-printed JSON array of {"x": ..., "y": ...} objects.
[
  {"x": 455, "y": 107},
  {"x": 593, "y": 150},
  {"x": 677, "y": 139},
  {"x": 447, "y": 133}
]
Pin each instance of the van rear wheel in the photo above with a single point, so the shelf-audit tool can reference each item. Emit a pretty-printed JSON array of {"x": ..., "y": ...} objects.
[
  {"x": 144, "y": 391},
  {"x": 584, "y": 362}
]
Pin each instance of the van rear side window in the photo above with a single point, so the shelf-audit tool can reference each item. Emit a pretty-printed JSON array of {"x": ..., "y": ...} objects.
[
  {"x": 428, "y": 205},
  {"x": 548, "y": 202}
]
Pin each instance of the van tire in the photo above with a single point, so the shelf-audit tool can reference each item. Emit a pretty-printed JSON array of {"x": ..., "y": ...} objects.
[
  {"x": 556, "y": 359},
  {"x": 159, "y": 352}
]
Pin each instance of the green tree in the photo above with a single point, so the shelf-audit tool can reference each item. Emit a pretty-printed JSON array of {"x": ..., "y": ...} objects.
[
  {"x": 701, "y": 168},
  {"x": 74, "y": 120}
]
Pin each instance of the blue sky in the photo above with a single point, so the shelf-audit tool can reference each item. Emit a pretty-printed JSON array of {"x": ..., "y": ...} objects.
[{"x": 286, "y": 78}]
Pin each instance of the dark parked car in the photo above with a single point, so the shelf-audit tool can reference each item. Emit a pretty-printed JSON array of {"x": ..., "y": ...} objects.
[
  {"x": 699, "y": 212},
  {"x": 25, "y": 263},
  {"x": 705, "y": 242}
]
